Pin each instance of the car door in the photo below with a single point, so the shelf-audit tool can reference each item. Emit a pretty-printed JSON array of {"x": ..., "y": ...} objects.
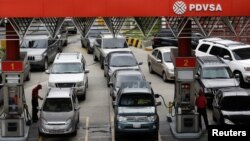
[
  {"x": 84, "y": 68},
  {"x": 154, "y": 59},
  {"x": 76, "y": 107},
  {"x": 158, "y": 62},
  {"x": 97, "y": 46}
]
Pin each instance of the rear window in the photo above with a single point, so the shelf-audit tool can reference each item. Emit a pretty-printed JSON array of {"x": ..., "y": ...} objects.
[
  {"x": 136, "y": 100},
  {"x": 122, "y": 61},
  {"x": 236, "y": 103},
  {"x": 216, "y": 73},
  {"x": 57, "y": 105}
]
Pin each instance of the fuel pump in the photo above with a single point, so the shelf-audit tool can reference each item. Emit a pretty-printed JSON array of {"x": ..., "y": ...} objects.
[
  {"x": 13, "y": 120},
  {"x": 185, "y": 122}
]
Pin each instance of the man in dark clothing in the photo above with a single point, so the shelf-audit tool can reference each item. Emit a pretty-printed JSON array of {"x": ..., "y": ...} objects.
[
  {"x": 34, "y": 102},
  {"x": 201, "y": 103}
]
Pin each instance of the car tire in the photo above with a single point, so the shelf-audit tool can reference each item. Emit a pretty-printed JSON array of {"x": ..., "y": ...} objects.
[
  {"x": 214, "y": 119},
  {"x": 95, "y": 58},
  {"x": 45, "y": 64},
  {"x": 164, "y": 77},
  {"x": 150, "y": 69},
  {"x": 28, "y": 77},
  {"x": 108, "y": 79},
  {"x": 66, "y": 43},
  {"x": 242, "y": 83},
  {"x": 155, "y": 136},
  {"x": 102, "y": 63}
]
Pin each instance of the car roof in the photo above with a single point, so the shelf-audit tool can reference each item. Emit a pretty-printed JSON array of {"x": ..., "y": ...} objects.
[
  {"x": 36, "y": 37},
  {"x": 59, "y": 93},
  {"x": 234, "y": 91},
  {"x": 136, "y": 90},
  {"x": 211, "y": 61},
  {"x": 128, "y": 72},
  {"x": 166, "y": 48},
  {"x": 68, "y": 57},
  {"x": 225, "y": 42}
]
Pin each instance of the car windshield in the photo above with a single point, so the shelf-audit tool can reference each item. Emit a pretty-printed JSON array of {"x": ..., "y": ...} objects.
[
  {"x": 217, "y": 73},
  {"x": 166, "y": 56},
  {"x": 58, "y": 68},
  {"x": 123, "y": 61},
  {"x": 57, "y": 105},
  {"x": 136, "y": 100},
  {"x": 236, "y": 103},
  {"x": 34, "y": 44},
  {"x": 241, "y": 54},
  {"x": 126, "y": 78},
  {"x": 115, "y": 43}
]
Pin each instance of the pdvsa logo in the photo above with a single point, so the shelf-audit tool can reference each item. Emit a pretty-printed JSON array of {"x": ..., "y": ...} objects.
[{"x": 180, "y": 7}]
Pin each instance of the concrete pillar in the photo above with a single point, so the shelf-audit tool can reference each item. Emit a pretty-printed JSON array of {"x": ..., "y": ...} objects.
[
  {"x": 12, "y": 43},
  {"x": 184, "y": 43}
]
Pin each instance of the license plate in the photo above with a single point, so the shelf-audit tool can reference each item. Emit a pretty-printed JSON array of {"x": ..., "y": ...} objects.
[{"x": 136, "y": 125}]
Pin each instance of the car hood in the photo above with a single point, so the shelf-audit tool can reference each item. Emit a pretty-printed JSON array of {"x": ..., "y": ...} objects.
[
  {"x": 55, "y": 78},
  {"x": 57, "y": 116},
  {"x": 136, "y": 110},
  {"x": 33, "y": 52},
  {"x": 106, "y": 51},
  {"x": 220, "y": 83},
  {"x": 245, "y": 63},
  {"x": 237, "y": 117}
]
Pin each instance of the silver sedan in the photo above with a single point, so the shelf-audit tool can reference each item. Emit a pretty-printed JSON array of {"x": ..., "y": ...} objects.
[{"x": 159, "y": 61}]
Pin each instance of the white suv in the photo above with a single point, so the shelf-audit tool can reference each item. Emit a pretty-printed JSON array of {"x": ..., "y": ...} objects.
[
  {"x": 235, "y": 54},
  {"x": 69, "y": 70}
]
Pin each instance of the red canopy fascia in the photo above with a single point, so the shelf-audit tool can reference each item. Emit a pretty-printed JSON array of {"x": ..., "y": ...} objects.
[{"x": 123, "y": 8}]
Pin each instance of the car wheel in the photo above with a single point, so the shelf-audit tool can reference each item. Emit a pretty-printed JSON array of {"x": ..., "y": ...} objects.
[
  {"x": 150, "y": 69},
  {"x": 108, "y": 79},
  {"x": 102, "y": 63},
  {"x": 45, "y": 64},
  {"x": 66, "y": 43},
  {"x": 28, "y": 77},
  {"x": 155, "y": 136},
  {"x": 164, "y": 77},
  {"x": 242, "y": 83},
  {"x": 95, "y": 58}
]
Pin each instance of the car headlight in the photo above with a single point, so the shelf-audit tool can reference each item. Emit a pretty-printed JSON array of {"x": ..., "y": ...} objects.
[
  {"x": 80, "y": 83},
  {"x": 227, "y": 121},
  {"x": 44, "y": 122},
  {"x": 51, "y": 84},
  {"x": 247, "y": 68},
  {"x": 38, "y": 58},
  {"x": 68, "y": 122},
  {"x": 152, "y": 118},
  {"x": 121, "y": 118}
]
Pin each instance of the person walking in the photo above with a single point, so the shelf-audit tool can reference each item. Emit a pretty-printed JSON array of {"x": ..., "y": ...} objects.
[
  {"x": 201, "y": 103},
  {"x": 34, "y": 102}
]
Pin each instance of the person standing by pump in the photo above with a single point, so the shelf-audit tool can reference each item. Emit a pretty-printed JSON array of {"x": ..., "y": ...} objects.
[
  {"x": 34, "y": 102},
  {"x": 201, "y": 103}
]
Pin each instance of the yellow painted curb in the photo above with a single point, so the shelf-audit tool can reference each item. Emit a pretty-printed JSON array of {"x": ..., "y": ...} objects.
[{"x": 148, "y": 48}]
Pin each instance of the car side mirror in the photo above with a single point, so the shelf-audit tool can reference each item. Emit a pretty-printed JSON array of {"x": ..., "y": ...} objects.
[
  {"x": 47, "y": 71},
  {"x": 196, "y": 76},
  {"x": 86, "y": 71},
  {"x": 77, "y": 108},
  {"x": 158, "y": 103},
  {"x": 157, "y": 95},
  {"x": 158, "y": 61},
  {"x": 227, "y": 57},
  {"x": 110, "y": 84},
  {"x": 140, "y": 63}
]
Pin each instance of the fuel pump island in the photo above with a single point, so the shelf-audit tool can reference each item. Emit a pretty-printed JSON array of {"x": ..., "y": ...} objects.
[
  {"x": 14, "y": 119},
  {"x": 185, "y": 122}
]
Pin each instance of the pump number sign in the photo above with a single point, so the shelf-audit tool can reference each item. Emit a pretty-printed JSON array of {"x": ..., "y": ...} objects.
[
  {"x": 185, "y": 62},
  {"x": 12, "y": 66}
]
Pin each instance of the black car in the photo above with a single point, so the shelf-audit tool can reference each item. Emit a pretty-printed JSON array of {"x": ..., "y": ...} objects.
[
  {"x": 88, "y": 42},
  {"x": 231, "y": 106},
  {"x": 123, "y": 75},
  {"x": 136, "y": 110},
  {"x": 167, "y": 38},
  {"x": 119, "y": 60}
]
